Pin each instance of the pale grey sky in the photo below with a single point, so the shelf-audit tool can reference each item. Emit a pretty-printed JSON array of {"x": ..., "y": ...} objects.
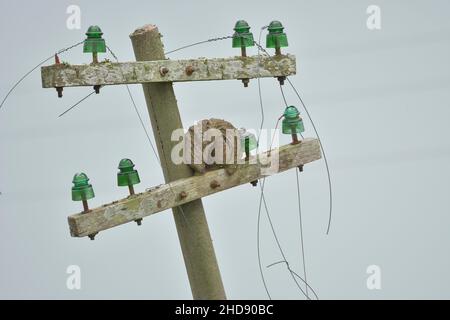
[{"x": 380, "y": 100}]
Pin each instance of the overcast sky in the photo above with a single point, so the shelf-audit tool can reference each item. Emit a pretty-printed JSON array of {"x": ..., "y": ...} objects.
[{"x": 379, "y": 98}]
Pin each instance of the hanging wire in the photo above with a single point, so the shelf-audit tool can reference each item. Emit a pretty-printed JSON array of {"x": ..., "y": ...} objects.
[
  {"x": 299, "y": 211},
  {"x": 34, "y": 68},
  {"x": 292, "y": 273},
  {"x": 262, "y": 200},
  {"x": 330, "y": 188},
  {"x": 283, "y": 95},
  {"x": 258, "y": 226},
  {"x": 137, "y": 110},
  {"x": 261, "y": 106}
]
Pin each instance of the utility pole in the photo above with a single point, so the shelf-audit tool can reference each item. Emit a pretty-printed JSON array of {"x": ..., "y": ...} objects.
[
  {"x": 183, "y": 192},
  {"x": 192, "y": 227}
]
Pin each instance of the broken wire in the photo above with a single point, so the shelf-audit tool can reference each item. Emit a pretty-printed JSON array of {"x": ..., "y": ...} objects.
[{"x": 34, "y": 68}]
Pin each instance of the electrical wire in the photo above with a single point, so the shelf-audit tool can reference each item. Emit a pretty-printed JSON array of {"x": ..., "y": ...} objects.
[
  {"x": 301, "y": 231},
  {"x": 283, "y": 95},
  {"x": 34, "y": 68},
  {"x": 261, "y": 106},
  {"x": 133, "y": 102}
]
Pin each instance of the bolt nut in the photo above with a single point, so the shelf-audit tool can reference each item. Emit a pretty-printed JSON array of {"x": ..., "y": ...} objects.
[
  {"x": 163, "y": 71},
  {"x": 189, "y": 70}
]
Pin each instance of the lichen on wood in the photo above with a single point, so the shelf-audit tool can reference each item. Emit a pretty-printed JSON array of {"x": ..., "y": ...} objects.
[{"x": 204, "y": 69}]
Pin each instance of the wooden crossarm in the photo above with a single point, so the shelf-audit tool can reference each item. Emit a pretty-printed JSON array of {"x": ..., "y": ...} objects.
[
  {"x": 107, "y": 73},
  {"x": 182, "y": 191}
]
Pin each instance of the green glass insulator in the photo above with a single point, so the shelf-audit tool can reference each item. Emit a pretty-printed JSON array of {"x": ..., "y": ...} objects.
[
  {"x": 81, "y": 189},
  {"x": 292, "y": 122},
  {"x": 242, "y": 36},
  {"x": 276, "y": 38},
  {"x": 127, "y": 175},
  {"x": 94, "y": 42}
]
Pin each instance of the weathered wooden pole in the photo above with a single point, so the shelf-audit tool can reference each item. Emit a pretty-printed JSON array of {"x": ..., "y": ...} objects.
[{"x": 192, "y": 227}]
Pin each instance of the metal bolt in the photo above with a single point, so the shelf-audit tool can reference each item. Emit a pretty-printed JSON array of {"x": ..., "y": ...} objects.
[
  {"x": 138, "y": 221},
  {"x": 92, "y": 236},
  {"x": 300, "y": 168},
  {"x": 254, "y": 183},
  {"x": 131, "y": 190},
  {"x": 163, "y": 71},
  {"x": 97, "y": 89},
  {"x": 214, "y": 184},
  {"x": 190, "y": 70}
]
